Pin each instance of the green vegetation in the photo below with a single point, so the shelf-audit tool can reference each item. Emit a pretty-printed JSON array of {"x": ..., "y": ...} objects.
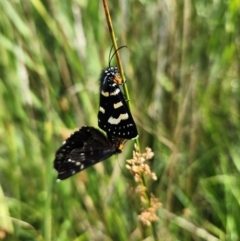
[{"x": 182, "y": 65}]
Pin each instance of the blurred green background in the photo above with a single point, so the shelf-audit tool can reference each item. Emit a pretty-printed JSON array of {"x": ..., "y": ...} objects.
[{"x": 182, "y": 65}]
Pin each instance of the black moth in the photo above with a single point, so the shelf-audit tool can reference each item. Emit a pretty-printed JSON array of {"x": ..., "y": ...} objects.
[
  {"x": 114, "y": 116},
  {"x": 83, "y": 149}
]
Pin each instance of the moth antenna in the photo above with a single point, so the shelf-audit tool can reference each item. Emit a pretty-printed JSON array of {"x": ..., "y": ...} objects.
[
  {"x": 124, "y": 46},
  {"x": 109, "y": 57}
]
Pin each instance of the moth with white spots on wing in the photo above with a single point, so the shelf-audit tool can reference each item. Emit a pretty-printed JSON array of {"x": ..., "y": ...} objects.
[
  {"x": 114, "y": 116},
  {"x": 83, "y": 149}
]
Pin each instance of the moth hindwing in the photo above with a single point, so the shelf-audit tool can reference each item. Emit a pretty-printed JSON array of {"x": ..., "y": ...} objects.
[
  {"x": 114, "y": 116},
  {"x": 83, "y": 149}
]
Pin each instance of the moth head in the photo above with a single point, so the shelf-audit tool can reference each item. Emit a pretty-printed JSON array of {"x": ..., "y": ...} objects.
[{"x": 111, "y": 76}]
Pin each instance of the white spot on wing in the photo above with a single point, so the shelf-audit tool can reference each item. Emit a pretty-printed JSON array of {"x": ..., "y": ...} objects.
[
  {"x": 106, "y": 94},
  {"x": 115, "y": 92},
  {"x": 115, "y": 121},
  {"x": 119, "y": 104},
  {"x": 101, "y": 109}
]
